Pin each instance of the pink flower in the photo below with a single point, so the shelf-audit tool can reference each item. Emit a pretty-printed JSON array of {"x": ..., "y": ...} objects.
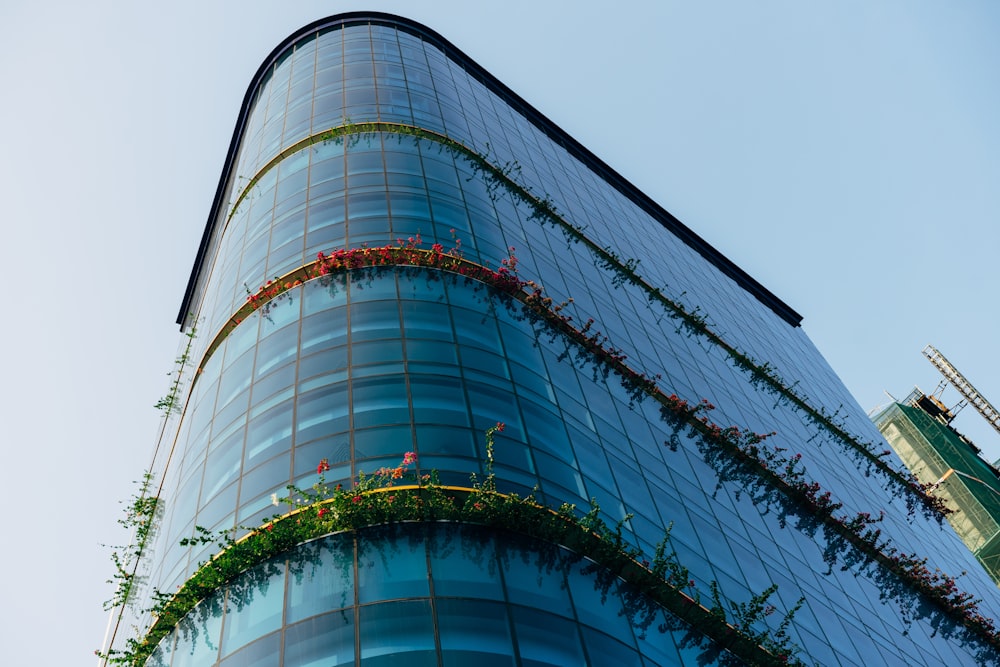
[{"x": 409, "y": 457}]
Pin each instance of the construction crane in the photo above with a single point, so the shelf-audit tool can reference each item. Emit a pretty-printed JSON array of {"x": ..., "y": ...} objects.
[{"x": 964, "y": 387}]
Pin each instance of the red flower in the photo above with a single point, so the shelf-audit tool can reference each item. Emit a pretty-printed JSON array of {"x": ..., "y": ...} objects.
[
  {"x": 322, "y": 511},
  {"x": 323, "y": 466},
  {"x": 500, "y": 427}
]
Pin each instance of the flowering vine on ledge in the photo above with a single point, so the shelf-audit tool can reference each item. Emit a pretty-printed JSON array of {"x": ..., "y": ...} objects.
[
  {"x": 405, "y": 252},
  {"x": 394, "y": 495},
  {"x": 733, "y": 452},
  {"x": 543, "y": 209}
]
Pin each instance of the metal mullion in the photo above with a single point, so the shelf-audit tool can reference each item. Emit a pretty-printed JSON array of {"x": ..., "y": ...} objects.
[
  {"x": 357, "y": 597},
  {"x": 298, "y": 347},
  {"x": 406, "y": 374},
  {"x": 347, "y": 188},
  {"x": 284, "y": 608},
  {"x": 350, "y": 375},
  {"x": 371, "y": 52},
  {"x": 439, "y": 652},
  {"x": 511, "y": 625}
]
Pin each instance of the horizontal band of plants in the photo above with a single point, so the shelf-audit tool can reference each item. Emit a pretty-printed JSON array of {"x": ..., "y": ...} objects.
[
  {"x": 405, "y": 253},
  {"x": 734, "y": 453},
  {"x": 664, "y": 582},
  {"x": 408, "y": 253},
  {"x": 543, "y": 208}
]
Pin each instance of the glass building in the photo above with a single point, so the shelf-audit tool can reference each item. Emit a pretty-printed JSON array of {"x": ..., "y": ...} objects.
[{"x": 631, "y": 388}]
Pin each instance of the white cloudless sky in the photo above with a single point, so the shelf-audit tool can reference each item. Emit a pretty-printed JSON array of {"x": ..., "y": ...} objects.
[{"x": 845, "y": 153}]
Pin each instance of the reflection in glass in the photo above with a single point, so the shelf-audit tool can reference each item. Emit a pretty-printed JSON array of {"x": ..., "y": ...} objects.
[{"x": 430, "y": 594}]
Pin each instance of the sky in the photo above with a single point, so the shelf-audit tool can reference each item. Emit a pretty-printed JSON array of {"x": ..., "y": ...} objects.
[{"x": 844, "y": 153}]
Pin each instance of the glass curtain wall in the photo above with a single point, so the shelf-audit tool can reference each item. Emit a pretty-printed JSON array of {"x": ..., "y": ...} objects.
[{"x": 372, "y": 131}]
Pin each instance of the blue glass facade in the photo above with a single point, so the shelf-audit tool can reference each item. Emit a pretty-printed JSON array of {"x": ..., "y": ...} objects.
[{"x": 367, "y": 365}]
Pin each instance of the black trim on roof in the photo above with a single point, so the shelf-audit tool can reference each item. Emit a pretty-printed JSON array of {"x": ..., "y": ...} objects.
[{"x": 559, "y": 136}]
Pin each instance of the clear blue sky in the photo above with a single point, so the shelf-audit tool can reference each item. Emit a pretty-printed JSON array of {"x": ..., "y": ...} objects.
[{"x": 846, "y": 154}]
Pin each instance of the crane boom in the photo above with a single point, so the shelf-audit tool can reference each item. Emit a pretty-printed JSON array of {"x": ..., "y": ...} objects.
[{"x": 963, "y": 386}]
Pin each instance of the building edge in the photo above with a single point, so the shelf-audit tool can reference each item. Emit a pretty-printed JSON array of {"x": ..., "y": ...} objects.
[{"x": 559, "y": 136}]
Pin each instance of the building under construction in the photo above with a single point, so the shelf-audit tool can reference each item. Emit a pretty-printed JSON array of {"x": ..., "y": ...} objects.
[{"x": 919, "y": 429}]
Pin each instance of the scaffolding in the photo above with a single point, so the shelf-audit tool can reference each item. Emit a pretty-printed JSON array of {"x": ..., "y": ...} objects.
[{"x": 938, "y": 456}]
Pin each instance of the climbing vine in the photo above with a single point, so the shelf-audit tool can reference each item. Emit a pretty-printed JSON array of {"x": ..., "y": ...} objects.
[
  {"x": 505, "y": 175},
  {"x": 768, "y": 474},
  {"x": 169, "y": 404},
  {"x": 138, "y": 519}
]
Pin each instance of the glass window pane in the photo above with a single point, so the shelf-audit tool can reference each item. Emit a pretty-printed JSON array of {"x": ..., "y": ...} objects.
[
  {"x": 603, "y": 650},
  {"x": 254, "y": 605},
  {"x": 198, "y": 633},
  {"x": 323, "y": 578},
  {"x": 457, "y": 573},
  {"x": 525, "y": 585},
  {"x": 322, "y": 641},
  {"x": 545, "y": 640},
  {"x": 262, "y": 653},
  {"x": 397, "y": 633},
  {"x": 391, "y": 566},
  {"x": 474, "y": 633}
]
